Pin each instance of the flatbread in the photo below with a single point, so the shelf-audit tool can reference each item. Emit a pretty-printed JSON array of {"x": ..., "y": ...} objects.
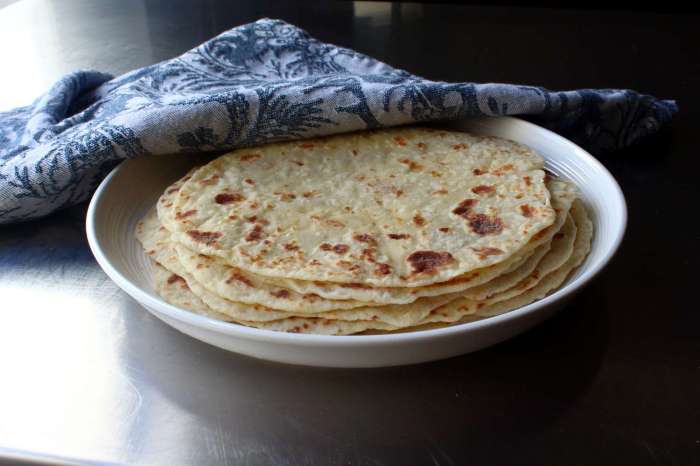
[
  {"x": 243, "y": 288},
  {"x": 388, "y": 231},
  {"x": 545, "y": 258},
  {"x": 561, "y": 250},
  {"x": 462, "y": 310},
  {"x": 458, "y": 309},
  {"x": 154, "y": 240},
  {"x": 173, "y": 289},
  {"x": 400, "y": 208}
]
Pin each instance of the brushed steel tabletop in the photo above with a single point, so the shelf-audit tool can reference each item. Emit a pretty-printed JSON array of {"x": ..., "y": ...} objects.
[{"x": 88, "y": 376}]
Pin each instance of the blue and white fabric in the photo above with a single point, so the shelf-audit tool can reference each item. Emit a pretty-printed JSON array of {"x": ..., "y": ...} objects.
[{"x": 261, "y": 82}]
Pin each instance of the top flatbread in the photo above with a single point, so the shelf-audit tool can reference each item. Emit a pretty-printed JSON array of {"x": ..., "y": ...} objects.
[{"x": 397, "y": 208}]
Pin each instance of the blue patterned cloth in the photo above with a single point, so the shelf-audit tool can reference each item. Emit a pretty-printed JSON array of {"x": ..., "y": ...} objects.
[{"x": 262, "y": 82}]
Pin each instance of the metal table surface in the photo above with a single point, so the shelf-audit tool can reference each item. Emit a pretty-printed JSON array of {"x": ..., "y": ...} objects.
[{"x": 88, "y": 375}]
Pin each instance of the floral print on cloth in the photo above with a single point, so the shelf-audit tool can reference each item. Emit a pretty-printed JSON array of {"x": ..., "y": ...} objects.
[{"x": 262, "y": 82}]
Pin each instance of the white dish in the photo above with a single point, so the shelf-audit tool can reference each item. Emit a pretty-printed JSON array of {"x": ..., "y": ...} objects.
[{"x": 133, "y": 187}]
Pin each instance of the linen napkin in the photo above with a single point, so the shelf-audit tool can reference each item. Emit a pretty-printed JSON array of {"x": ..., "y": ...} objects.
[{"x": 261, "y": 82}]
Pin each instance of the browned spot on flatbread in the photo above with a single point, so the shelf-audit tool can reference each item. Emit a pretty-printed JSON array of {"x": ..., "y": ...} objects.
[
  {"x": 412, "y": 166},
  {"x": 400, "y": 140},
  {"x": 236, "y": 276},
  {"x": 209, "y": 181},
  {"x": 483, "y": 189},
  {"x": 286, "y": 197},
  {"x": 464, "y": 208},
  {"x": 526, "y": 210},
  {"x": 174, "y": 279},
  {"x": 189, "y": 213},
  {"x": 478, "y": 172},
  {"x": 382, "y": 269},
  {"x": 280, "y": 294},
  {"x": 228, "y": 198},
  {"x": 418, "y": 220},
  {"x": 249, "y": 181},
  {"x": 364, "y": 238},
  {"x": 329, "y": 221},
  {"x": 206, "y": 237},
  {"x": 249, "y": 157},
  {"x": 368, "y": 254},
  {"x": 483, "y": 224},
  {"x": 429, "y": 261},
  {"x": 352, "y": 285},
  {"x": 348, "y": 265},
  {"x": 502, "y": 170},
  {"x": 484, "y": 252},
  {"x": 398, "y": 235},
  {"x": 255, "y": 234},
  {"x": 338, "y": 248}
]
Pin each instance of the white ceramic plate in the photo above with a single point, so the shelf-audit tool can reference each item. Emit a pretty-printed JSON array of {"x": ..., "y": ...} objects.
[{"x": 133, "y": 187}]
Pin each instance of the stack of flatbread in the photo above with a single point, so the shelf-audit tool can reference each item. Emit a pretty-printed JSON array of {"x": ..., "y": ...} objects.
[{"x": 384, "y": 231}]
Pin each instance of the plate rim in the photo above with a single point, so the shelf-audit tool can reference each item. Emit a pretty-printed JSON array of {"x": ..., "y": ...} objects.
[{"x": 231, "y": 329}]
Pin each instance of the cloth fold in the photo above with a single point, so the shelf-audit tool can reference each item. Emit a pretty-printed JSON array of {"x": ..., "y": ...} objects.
[{"x": 261, "y": 82}]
